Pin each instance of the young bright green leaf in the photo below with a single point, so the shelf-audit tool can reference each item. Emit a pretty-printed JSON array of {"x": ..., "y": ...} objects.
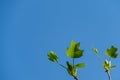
[
  {"x": 95, "y": 50},
  {"x": 107, "y": 65},
  {"x": 80, "y": 65},
  {"x": 112, "y": 52},
  {"x": 52, "y": 56},
  {"x": 112, "y": 67},
  {"x": 74, "y": 50},
  {"x": 72, "y": 71}
]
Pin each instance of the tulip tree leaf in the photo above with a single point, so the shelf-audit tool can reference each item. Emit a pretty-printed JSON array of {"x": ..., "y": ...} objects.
[
  {"x": 95, "y": 50},
  {"x": 69, "y": 66},
  {"x": 74, "y": 50},
  {"x": 112, "y": 52},
  {"x": 107, "y": 65},
  {"x": 52, "y": 56},
  {"x": 112, "y": 67},
  {"x": 72, "y": 71},
  {"x": 80, "y": 65}
]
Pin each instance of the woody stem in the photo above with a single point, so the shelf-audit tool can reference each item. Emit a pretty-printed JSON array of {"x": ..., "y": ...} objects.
[
  {"x": 108, "y": 73},
  {"x": 75, "y": 78}
]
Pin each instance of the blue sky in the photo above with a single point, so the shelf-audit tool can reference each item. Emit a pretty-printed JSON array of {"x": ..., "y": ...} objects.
[{"x": 32, "y": 28}]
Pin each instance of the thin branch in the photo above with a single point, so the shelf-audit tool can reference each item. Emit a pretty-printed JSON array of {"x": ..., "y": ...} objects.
[
  {"x": 61, "y": 65},
  {"x": 99, "y": 57},
  {"x": 108, "y": 73},
  {"x": 75, "y": 78}
]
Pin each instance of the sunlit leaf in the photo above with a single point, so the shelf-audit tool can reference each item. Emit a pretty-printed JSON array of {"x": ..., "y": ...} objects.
[
  {"x": 112, "y": 52},
  {"x": 95, "y": 50},
  {"x": 112, "y": 67},
  {"x": 107, "y": 65},
  {"x": 72, "y": 71},
  {"x": 52, "y": 56},
  {"x": 74, "y": 50},
  {"x": 80, "y": 65}
]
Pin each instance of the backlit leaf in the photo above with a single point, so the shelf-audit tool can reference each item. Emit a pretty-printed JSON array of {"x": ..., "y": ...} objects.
[
  {"x": 80, "y": 65},
  {"x": 95, "y": 50},
  {"x": 69, "y": 66},
  {"x": 112, "y": 52},
  {"x": 72, "y": 71},
  {"x": 74, "y": 50},
  {"x": 112, "y": 67},
  {"x": 52, "y": 56}
]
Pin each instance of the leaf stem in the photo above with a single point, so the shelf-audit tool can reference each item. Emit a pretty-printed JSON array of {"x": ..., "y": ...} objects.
[
  {"x": 73, "y": 62},
  {"x": 61, "y": 65},
  {"x": 99, "y": 57}
]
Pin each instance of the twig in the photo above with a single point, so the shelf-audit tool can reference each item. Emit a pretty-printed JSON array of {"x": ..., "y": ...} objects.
[
  {"x": 75, "y": 78},
  {"x": 108, "y": 73},
  {"x": 61, "y": 65}
]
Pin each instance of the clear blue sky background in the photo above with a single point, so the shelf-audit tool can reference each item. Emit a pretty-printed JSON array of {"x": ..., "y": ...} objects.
[{"x": 31, "y": 28}]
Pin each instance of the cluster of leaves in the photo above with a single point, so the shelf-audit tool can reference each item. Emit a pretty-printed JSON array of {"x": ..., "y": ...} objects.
[
  {"x": 52, "y": 56},
  {"x": 111, "y": 53},
  {"x": 72, "y": 52}
]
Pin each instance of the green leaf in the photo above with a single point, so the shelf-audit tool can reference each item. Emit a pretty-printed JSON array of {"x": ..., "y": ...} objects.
[
  {"x": 112, "y": 52},
  {"x": 72, "y": 71},
  {"x": 107, "y": 65},
  {"x": 81, "y": 65},
  {"x": 112, "y": 67},
  {"x": 74, "y": 50},
  {"x": 70, "y": 67},
  {"x": 52, "y": 56},
  {"x": 95, "y": 50}
]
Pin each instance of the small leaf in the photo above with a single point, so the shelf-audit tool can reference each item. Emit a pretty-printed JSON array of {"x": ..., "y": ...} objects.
[
  {"x": 81, "y": 65},
  {"x": 95, "y": 50},
  {"x": 107, "y": 65},
  {"x": 52, "y": 56},
  {"x": 112, "y": 67},
  {"x": 74, "y": 50},
  {"x": 72, "y": 71},
  {"x": 112, "y": 52},
  {"x": 69, "y": 66}
]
